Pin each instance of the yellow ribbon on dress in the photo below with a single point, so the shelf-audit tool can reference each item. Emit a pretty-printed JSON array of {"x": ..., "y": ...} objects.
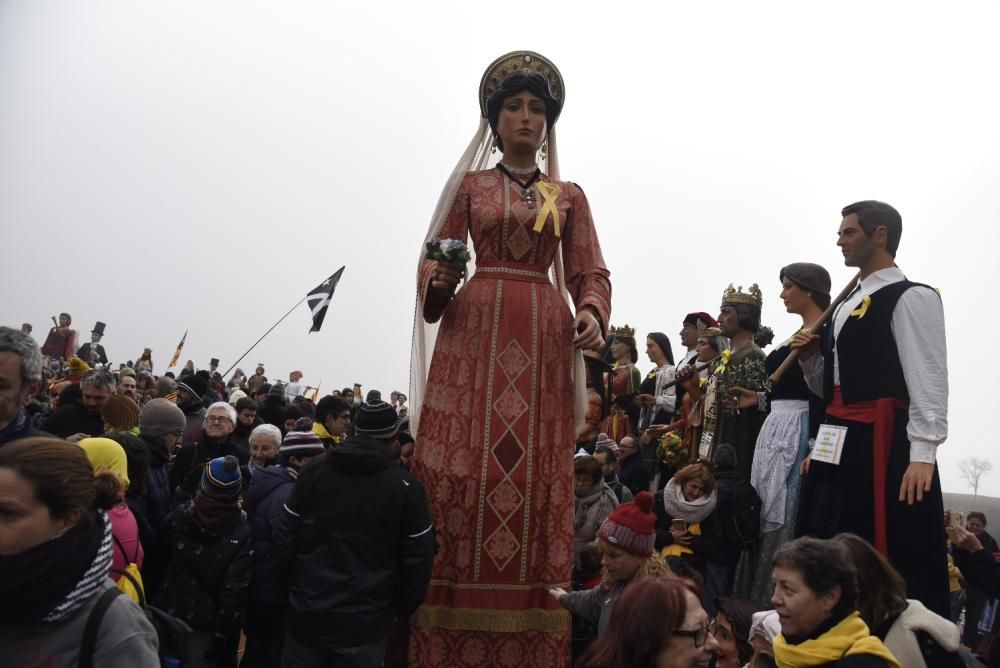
[{"x": 550, "y": 193}]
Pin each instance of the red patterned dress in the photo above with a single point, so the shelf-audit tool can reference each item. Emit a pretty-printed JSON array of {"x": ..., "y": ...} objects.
[{"x": 495, "y": 442}]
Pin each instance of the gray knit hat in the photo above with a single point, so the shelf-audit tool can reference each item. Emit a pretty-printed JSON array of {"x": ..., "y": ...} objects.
[
  {"x": 160, "y": 417},
  {"x": 377, "y": 419}
]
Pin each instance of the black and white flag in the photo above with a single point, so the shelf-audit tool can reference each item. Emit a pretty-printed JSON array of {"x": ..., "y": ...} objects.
[{"x": 319, "y": 299}]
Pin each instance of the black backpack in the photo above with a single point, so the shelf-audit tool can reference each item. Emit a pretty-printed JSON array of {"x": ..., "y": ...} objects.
[{"x": 741, "y": 519}]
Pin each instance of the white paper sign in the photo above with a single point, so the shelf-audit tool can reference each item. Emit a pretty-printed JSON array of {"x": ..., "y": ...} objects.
[{"x": 829, "y": 444}]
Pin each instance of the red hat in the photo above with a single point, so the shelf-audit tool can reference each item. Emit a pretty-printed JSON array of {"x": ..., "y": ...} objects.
[
  {"x": 701, "y": 320},
  {"x": 632, "y": 526}
]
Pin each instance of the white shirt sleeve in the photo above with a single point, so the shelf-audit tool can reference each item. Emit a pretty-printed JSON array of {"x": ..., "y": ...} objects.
[
  {"x": 918, "y": 327},
  {"x": 812, "y": 369},
  {"x": 667, "y": 400}
]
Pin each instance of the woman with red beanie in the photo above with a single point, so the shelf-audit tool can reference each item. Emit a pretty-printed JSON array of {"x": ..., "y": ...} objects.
[{"x": 626, "y": 538}]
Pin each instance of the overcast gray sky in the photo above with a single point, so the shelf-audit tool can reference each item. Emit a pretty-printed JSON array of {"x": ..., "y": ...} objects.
[{"x": 201, "y": 165}]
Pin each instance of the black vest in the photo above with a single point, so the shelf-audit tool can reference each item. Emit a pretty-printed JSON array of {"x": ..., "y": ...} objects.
[{"x": 867, "y": 355}]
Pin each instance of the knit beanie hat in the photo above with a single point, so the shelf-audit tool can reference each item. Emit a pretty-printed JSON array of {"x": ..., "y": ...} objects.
[
  {"x": 221, "y": 478},
  {"x": 301, "y": 444},
  {"x": 127, "y": 372},
  {"x": 632, "y": 526},
  {"x": 236, "y": 395},
  {"x": 377, "y": 419},
  {"x": 604, "y": 439},
  {"x": 195, "y": 385},
  {"x": 120, "y": 412},
  {"x": 161, "y": 416},
  {"x": 106, "y": 455}
]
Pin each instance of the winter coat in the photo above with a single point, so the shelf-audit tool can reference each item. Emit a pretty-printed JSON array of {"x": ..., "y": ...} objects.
[
  {"x": 357, "y": 543},
  {"x": 589, "y": 512},
  {"x": 594, "y": 605},
  {"x": 265, "y": 503},
  {"x": 918, "y": 638},
  {"x": 208, "y": 578},
  {"x": 980, "y": 569},
  {"x": 634, "y": 474},
  {"x": 73, "y": 418},
  {"x": 709, "y": 546},
  {"x": 125, "y": 638}
]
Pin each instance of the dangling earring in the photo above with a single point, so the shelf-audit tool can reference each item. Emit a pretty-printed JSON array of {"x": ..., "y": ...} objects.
[
  {"x": 493, "y": 146},
  {"x": 545, "y": 150}
]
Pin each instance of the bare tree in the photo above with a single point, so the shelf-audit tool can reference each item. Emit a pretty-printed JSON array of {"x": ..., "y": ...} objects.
[{"x": 972, "y": 469}]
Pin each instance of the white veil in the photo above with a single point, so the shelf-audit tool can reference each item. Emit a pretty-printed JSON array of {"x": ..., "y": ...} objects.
[{"x": 476, "y": 157}]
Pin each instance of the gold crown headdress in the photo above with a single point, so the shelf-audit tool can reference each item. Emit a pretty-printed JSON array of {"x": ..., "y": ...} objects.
[
  {"x": 624, "y": 330},
  {"x": 526, "y": 61},
  {"x": 737, "y": 296}
]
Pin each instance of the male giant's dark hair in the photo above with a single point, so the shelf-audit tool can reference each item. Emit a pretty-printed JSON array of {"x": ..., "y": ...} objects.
[
  {"x": 747, "y": 317},
  {"x": 514, "y": 83},
  {"x": 824, "y": 565},
  {"x": 872, "y": 215}
]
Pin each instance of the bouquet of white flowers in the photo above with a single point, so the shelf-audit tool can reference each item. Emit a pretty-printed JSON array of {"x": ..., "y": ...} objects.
[{"x": 452, "y": 251}]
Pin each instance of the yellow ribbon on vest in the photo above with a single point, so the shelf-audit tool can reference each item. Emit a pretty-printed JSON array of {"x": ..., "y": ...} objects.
[
  {"x": 860, "y": 312},
  {"x": 550, "y": 193}
]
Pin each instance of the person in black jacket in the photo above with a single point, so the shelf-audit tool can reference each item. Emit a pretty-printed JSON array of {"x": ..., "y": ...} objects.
[
  {"x": 687, "y": 524},
  {"x": 185, "y": 474},
  {"x": 161, "y": 427},
  {"x": 264, "y": 624},
  {"x": 980, "y": 568},
  {"x": 356, "y": 544},
  {"x": 211, "y": 562},
  {"x": 975, "y": 598}
]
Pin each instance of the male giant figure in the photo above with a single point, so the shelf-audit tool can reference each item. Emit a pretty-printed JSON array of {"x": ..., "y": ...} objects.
[{"x": 882, "y": 370}]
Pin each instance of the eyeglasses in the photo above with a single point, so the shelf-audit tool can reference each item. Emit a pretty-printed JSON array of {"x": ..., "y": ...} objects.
[
  {"x": 344, "y": 416},
  {"x": 217, "y": 419},
  {"x": 701, "y": 634}
]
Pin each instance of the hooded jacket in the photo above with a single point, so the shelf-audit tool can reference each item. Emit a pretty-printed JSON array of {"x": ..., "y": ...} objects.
[{"x": 356, "y": 544}]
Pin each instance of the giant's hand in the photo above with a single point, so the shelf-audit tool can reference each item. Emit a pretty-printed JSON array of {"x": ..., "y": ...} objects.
[
  {"x": 916, "y": 481},
  {"x": 806, "y": 344},
  {"x": 445, "y": 277},
  {"x": 588, "y": 330}
]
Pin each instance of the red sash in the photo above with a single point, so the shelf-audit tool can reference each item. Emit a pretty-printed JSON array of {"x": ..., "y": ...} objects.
[{"x": 881, "y": 414}]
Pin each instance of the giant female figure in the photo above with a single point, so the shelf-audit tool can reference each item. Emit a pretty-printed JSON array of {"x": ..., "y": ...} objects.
[{"x": 495, "y": 416}]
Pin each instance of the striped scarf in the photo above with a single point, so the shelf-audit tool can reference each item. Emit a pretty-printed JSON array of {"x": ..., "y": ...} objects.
[{"x": 95, "y": 576}]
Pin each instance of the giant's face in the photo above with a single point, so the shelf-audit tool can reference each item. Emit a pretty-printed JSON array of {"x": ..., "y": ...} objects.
[{"x": 522, "y": 124}]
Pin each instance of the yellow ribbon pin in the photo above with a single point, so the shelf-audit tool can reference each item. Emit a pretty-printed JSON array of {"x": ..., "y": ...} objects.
[
  {"x": 859, "y": 312},
  {"x": 550, "y": 192}
]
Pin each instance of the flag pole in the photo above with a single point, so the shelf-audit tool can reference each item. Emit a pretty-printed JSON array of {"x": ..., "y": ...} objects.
[{"x": 262, "y": 337}]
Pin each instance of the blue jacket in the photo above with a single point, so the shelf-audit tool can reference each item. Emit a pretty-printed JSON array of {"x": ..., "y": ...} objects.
[{"x": 264, "y": 502}]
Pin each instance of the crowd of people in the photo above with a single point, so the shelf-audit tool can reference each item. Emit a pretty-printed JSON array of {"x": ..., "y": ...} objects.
[{"x": 554, "y": 503}]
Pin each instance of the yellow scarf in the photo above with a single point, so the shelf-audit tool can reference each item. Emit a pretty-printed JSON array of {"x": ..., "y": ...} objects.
[
  {"x": 850, "y": 636},
  {"x": 676, "y": 549},
  {"x": 322, "y": 433}
]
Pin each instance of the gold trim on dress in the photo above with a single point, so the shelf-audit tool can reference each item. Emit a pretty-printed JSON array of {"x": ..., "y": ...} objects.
[
  {"x": 514, "y": 272},
  {"x": 498, "y": 299},
  {"x": 491, "y": 621}
]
